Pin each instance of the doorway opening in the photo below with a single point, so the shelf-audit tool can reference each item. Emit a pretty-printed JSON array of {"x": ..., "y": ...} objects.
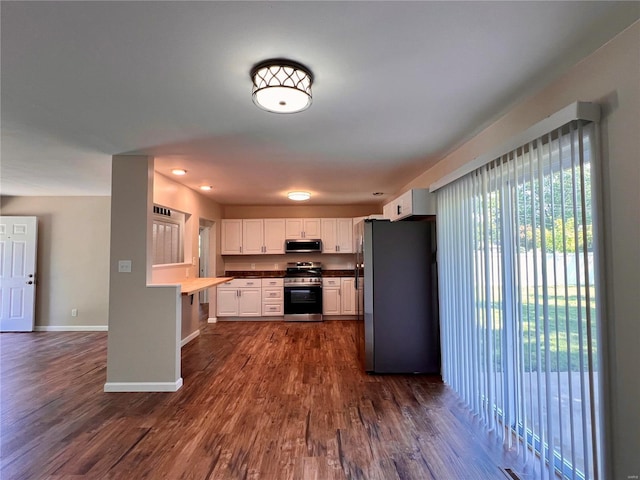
[{"x": 206, "y": 263}]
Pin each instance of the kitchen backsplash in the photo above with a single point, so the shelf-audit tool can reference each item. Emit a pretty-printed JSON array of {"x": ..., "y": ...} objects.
[{"x": 279, "y": 262}]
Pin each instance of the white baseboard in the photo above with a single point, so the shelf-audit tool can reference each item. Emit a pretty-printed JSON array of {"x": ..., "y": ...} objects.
[
  {"x": 250, "y": 319},
  {"x": 212, "y": 320},
  {"x": 71, "y": 328},
  {"x": 143, "y": 386},
  {"x": 190, "y": 337}
]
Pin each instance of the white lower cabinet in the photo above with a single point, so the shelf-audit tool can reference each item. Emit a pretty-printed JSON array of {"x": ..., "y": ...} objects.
[
  {"x": 348, "y": 296},
  {"x": 240, "y": 298},
  {"x": 338, "y": 296},
  {"x": 272, "y": 297},
  {"x": 227, "y": 302},
  {"x": 331, "y": 296}
]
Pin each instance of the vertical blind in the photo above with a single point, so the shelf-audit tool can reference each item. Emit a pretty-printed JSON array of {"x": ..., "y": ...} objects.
[
  {"x": 166, "y": 242},
  {"x": 518, "y": 300}
]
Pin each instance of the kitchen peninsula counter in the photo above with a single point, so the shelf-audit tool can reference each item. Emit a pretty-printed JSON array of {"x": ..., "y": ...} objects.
[
  {"x": 193, "y": 285},
  {"x": 189, "y": 286}
]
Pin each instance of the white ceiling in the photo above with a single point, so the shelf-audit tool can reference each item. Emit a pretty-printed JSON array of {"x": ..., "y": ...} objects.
[{"x": 397, "y": 85}]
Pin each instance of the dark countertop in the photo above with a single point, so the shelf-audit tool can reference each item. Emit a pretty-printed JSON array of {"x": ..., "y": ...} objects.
[
  {"x": 337, "y": 273},
  {"x": 281, "y": 273},
  {"x": 255, "y": 273}
]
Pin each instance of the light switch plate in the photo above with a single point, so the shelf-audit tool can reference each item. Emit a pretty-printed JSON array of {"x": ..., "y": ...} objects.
[{"x": 124, "y": 266}]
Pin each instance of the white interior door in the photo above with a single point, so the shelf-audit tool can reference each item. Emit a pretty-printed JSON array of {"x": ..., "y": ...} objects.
[{"x": 18, "y": 237}]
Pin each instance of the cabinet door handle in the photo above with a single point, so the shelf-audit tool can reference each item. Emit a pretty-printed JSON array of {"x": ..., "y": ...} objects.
[
  {"x": 399, "y": 209},
  {"x": 240, "y": 248}
]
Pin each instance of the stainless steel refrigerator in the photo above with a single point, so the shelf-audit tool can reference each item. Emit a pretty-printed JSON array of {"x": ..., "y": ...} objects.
[{"x": 400, "y": 329}]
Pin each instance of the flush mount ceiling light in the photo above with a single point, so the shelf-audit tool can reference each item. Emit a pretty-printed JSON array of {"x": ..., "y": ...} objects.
[
  {"x": 299, "y": 196},
  {"x": 179, "y": 171},
  {"x": 206, "y": 187},
  {"x": 281, "y": 86}
]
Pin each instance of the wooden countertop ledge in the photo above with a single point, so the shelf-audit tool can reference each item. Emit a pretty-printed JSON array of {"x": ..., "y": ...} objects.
[
  {"x": 189, "y": 286},
  {"x": 193, "y": 285}
]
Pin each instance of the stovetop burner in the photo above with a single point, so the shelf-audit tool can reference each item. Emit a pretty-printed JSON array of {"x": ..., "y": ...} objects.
[
  {"x": 304, "y": 269},
  {"x": 301, "y": 273}
]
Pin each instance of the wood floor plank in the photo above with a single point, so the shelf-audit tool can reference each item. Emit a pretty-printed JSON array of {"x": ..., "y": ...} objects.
[{"x": 261, "y": 400}]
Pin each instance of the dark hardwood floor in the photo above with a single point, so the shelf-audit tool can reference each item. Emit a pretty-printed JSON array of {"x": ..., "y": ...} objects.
[{"x": 261, "y": 400}]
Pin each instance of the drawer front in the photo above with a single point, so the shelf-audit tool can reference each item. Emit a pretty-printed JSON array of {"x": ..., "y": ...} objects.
[
  {"x": 272, "y": 294},
  {"x": 331, "y": 282},
  {"x": 242, "y": 283},
  {"x": 272, "y": 309},
  {"x": 272, "y": 282}
]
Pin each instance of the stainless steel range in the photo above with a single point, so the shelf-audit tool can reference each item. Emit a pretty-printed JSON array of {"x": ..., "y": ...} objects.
[{"x": 303, "y": 292}]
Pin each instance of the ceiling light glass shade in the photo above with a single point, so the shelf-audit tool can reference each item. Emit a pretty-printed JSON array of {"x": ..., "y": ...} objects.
[
  {"x": 281, "y": 86},
  {"x": 206, "y": 187},
  {"x": 299, "y": 196},
  {"x": 179, "y": 171}
]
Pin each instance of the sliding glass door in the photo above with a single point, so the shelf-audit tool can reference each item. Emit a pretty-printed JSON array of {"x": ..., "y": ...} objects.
[{"x": 518, "y": 299}]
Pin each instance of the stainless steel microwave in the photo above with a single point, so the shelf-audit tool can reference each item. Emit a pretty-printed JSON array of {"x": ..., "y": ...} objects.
[{"x": 305, "y": 245}]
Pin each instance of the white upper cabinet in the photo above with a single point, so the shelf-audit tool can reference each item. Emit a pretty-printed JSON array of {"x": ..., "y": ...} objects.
[
  {"x": 337, "y": 235},
  {"x": 344, "y": 227},
  {"x": 417, "y": 201},
  {"x": 388, "y": 210},
  {"x": 253, "y": 236},
  {"x": 274, "y": 235},
  {"x": 266, "y": 236},
  {"x": 329, "y": 236},
  {"x": 231, "y": 237},
  {"x": 297, "y": 228}
]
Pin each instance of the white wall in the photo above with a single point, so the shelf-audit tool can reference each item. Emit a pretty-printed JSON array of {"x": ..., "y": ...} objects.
[
  {"x": 610, "y": 77},
  {"x": 73, "y": 258}
]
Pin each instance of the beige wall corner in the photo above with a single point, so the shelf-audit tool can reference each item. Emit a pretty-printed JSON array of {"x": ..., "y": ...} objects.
[
  {"x": 72, "y": 259},
  {"x": 173, "y": 195},
  {"x": 144, "y": 322}
]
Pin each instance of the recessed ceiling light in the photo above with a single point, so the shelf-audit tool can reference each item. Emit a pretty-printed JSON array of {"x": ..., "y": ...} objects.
[
  {"x": 299, "y": 196},
  {"x": 179, "y": 171},
  {"x": 206, "y": 187}
]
